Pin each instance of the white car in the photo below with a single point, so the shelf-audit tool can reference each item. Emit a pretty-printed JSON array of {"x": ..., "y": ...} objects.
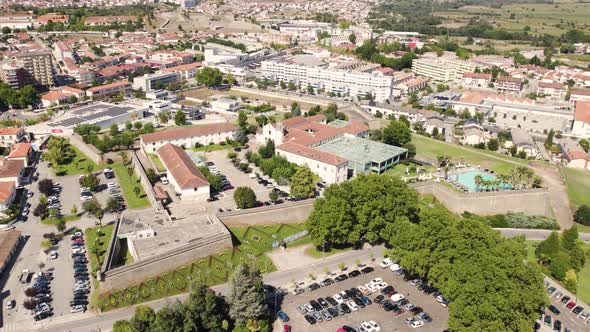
[
  {"x": 364, "y": 290},
  {"x": 417, "y": 323},
  {"x": 338, "y": 298},
  {"x": 53, "y": 255},
  {"x": 394, "y": 267},
  {"x": 353, "y": 306},
  {"x": 372, "y": 287},
  {"x": 78, "y": 251},
  {"x": 397, "y": 297},
  {"x": 112, "y": 185},
  {"x": 164, "y": 180},
  {"x": 376, "y": 281},
  {"x": 440, "y": 299},
  {"x": 309, "y": 307},
  {"x": 386, "y": 262},
  {"x": 371, "y": 326},
  {"x": 30, "y": 194},
  {"x": 78, "y": 308},
  {"x": 380, "y": 285}
]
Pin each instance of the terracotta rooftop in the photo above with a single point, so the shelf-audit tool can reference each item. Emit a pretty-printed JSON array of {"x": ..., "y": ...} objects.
[
  {"x": 11, "y": 168},
  {"x": 10, "y": 131},
  {"x": 187, "y": 66},
  {"x": 477, "y": 75},
  {"x": 551, "y": 85},
  {"x": 20, "y": 150},
  {"x": 582, "y": 111},
  {"x": 181, "y": 167},
  {"x": 574, "y": 154},
  {"x": 509, "y": 79},
  {"x": 8, "y": 241},
  {"x": 583, "y": 92},
  {"x": 107, "y": 86},
  {"x": 311, "y": 153},
  {"x": 54, "y": 95},
  {"x": 185, "y": 132}
]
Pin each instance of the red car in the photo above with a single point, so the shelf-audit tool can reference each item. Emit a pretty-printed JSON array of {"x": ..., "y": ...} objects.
[
  {"x": 570, "y": 304},
  {"x": 78, "y": 241},
  {"x": 286, "y": 328}
]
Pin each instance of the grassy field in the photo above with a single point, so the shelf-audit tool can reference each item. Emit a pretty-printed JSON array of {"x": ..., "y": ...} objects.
[
  {"x": 128, "y": 184},
  {"x": 80, "y": 164},
  {"x": 575, "y": 57},
  {"x": 99, "y": 237},
  {"x": 578, "y": 186},
  {"x": 553, "y": 19},
  {"x": 583, "y": 275},
  {"x": 157, "y": 162},
  {"x": 212, "y": 147},
  {"x": 429, "y": 149},
  {"x": 53, "y": 221}
]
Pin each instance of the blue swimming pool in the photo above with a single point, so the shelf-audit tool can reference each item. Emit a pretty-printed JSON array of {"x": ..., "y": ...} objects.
[{"x": 467, "y": 179}]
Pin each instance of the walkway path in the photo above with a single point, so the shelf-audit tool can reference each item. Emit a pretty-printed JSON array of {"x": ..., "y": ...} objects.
[{"x": 535, "y": 234}]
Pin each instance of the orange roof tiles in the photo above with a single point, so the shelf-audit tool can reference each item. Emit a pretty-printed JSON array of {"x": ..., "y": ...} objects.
[
  {"x": 20, "y": 150},
  {"x": 181, "y": 167},
  {"x": 111, "y": 85},
  {"x": 185, "y": 132},
  {"x": 311, "y": 153},
  {"x": 10, "y": 131},
  {"x": 582, "y": 111}
]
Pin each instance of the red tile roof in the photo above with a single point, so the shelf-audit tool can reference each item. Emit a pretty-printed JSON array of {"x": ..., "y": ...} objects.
[
  {"x": 111, "y": 85},
  {"x": 10, "y": 168},
  {"x": 310, "y": 153},
  {"x": 186, "y": 132},
  {"x": 8, "y": 240},
  {"x": 477, "y": 75},
  {"x": 6, "y": 189},
  {"x": 582, "y": 111},
  {"x": 20, "y": 150},
  {"x": 10, "y": 131},
  {"x": 583, "y": 92},
  {"x": 550, "y": 85},
  {"x": 181, "y": 167},
  {"x": 574, "y": 154},
  {"x": 187, "y": 66}
]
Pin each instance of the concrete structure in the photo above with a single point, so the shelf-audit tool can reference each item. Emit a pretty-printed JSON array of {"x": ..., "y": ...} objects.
[
  {"x": 581, "y": 125},
  {"x": 188, "y": 136},
  {"x": 10, "y": 136},
  {"x": 225, "y": 105},
  {"x": 442, "y": 69},
  {"x": 533, "y": 202},
  {"x": 186, "y": 71},
  {"x": 340, "y": 82},
  {"x": 523, "y": 142},
  {"x": 555, "y": 91},
  {"x": 476, "y": 80},
  {"x": 328, "y": 166},
  {"x": 38, "y": 67},
  {"x": 507, "y": 84},
  {"x": 188, "y": 182},
  {"x": 109, "y": 89},
  {"x": 13, "y": 74},
  {"x": 149, "y": 82},
  {"x": 473, "y": 134}
]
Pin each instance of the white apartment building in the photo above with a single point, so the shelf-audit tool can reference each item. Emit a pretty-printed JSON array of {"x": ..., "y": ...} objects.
[
  {"x": 329, "y": 167},
  {"x": 581, "y": 126},
  {"x": 551, "y": 90},
  {"x": 442, "y": 69},
  {"x": 579, "y": 95},
  {"x": 188, "y": 136},
  {"x": 10, "y": 136},
  {"x": 476, "y": 80},
  {"x": 149, "y": 82},
  {"x": 225, "y": 105},
  {"x": 343, "y": 82}
]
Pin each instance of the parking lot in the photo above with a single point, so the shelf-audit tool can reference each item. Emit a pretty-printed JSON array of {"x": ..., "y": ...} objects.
[
  {"x": 565, "y": 303},
  {"x": 387, "y": 321}
]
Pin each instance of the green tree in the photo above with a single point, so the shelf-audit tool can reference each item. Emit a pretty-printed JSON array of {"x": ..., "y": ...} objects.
[
  {"x": 114, "y": 130},
  {"x": 274, "y": 196},
  {"x": 246, "y": 298},
  {"x": 569, "y": 237},
  {"x": 582, "y": 215},
  {"x": 267, "y": 150},
  {"x": 143, "y": 318},
  {"x": 204, "y": 311},
  {"x": 90, "y": 181},
  {"x": 584, "y": 144},
  {"x": 169, "y": 318},
  {"x": 493, "y": 144},
  {"x": 242, "y": 120},
  {"x": 46, "y": 245},
  {"x": 548, "y": 248},
  {"x": 245, "y": 197},
  {"x": 180, "y": 118},
  {"x": 559, "y": 266},
  {"x": 295, "y": 109},
  {"x": 396, "y": 133},
  {"x": 209, "y": 76},
  {"x": 549, "y": 139},
  {"x": 113, "y": 205},
  {"x": 163, "y": 117},
  {"x": 571, "y": 281},
  {"x": 303, "y": 183}
]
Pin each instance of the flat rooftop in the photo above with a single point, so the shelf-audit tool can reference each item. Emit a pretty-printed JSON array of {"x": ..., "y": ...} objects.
[
  {"x": 91, "y": 114},
  {"x": 361, "y": 150},
  {"x": 191, "y": 223}
]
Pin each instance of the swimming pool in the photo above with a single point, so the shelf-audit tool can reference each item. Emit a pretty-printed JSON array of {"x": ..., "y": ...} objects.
[{"x": 467, "y": 179}]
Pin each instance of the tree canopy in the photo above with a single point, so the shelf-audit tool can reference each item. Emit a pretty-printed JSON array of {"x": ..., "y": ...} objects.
[
  {"x": 303, "y": 183},
  {"x": 209, "y": 76},
  {"x": 245, "y": 197},
  {"x": 396, "y": 133}
]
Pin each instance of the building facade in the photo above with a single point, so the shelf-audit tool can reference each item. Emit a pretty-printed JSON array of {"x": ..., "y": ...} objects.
[
  {"x": 150, "y": 82},
  {"x": 442, "y": 69},
  {"x": 188, "y": 136},
  {"x": 38, "y": 67}
]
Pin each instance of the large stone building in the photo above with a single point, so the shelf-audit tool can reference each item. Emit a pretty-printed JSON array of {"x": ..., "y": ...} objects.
[{"x": 188, "y": 136}]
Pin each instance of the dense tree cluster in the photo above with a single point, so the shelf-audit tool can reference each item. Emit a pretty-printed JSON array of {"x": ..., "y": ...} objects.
[
  {"x": 562, "y": 255},
  {"x": 330, "y": 112},
  {"x": 303, "y": 183},
  {"x": 244, "y": 310},
  {"x": 22, "y": 98},
  {"x": 362, "y": 209},
  {"x": 58, "y": 151},
  {"x": 227, "y": 42},
  {"x": 484, "y": 276},
  {"x": 245, "y": 198},
  {"x": 209, "y": 76},
  {"x": 116, "y": 139},
  {"x": 277, "y": 167},
  {"x": 397, "y": 133}
]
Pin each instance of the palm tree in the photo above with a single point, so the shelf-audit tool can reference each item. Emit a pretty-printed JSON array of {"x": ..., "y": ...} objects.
[
  {"x": 478, "y": 179},
  {"x": 96, "y": 252}
]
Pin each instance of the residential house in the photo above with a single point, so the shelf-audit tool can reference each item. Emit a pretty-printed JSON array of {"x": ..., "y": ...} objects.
[
  {"x": 476, "y": 80},
  {"x": 555, "y": 91},
  {"x": 574, "y": 155},
  {"x": 10, "y": 136},
  {"x": 507, "y": 84},
  {"x": 109, "y": 89},
  {"x": 579, "y": 95},
  {"x": 523, "y": 142}
]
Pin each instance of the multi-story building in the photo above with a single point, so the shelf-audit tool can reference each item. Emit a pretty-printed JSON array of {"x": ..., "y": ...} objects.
[
  {"x": 186, "y": 71},
  {"x": 442, "y": 69},
  {"x": 581, "y": 126},
  {"x": 38, "y": 67},
  {"x": 579, "y": 95},
  {"x": 509, "y": 84},
  {"x": 551, "y": 90},
  {"x": 13, "y": 74},
  {"x": 476, "y": 80},
  {"x": 109, "y": 89},
  {"x": 188, "y": 136},
  {"x": 11, "y": 136},
  {"x": 340, "y": 82},
  {"x": 149, "y": 82}
]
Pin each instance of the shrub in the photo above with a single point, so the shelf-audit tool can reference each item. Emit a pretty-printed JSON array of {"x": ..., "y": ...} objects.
[{"x": 582, "y": 215}]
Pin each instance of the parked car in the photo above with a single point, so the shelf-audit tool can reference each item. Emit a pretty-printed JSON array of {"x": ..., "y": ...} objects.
[{"x": 283, "y": 316}]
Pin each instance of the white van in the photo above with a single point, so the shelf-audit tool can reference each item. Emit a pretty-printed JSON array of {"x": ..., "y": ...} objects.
[{"x": 397, "y": 297}]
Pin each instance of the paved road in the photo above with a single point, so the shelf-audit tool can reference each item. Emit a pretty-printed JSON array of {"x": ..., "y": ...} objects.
[{"x": 101, "y": 322}]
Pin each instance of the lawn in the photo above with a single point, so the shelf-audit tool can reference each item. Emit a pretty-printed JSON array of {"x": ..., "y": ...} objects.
[
  {"x": 80, "y": 164},
  {"x": 428, "y": 149},
  {"x": 583, "y": 275},
  {"x": 212, "y": 147},
  {"x": 576, "y": 57},
  {"x": 128, "y": 184},
  {"x": 53, "y": 221},
  {"x": 261, "y": 238},
  {"x": 578, "y": 186},
  {"x": 100, "y": 238},
  {"x": 157, "y": 162}
]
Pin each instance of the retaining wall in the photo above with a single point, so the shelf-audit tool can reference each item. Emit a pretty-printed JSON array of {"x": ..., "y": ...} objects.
[
  {"x": 90, "y": 151},
  {"x": 147, "y": 186},
  {"x": 292, "y": 212},
  {"x": 531, "y": 202}
]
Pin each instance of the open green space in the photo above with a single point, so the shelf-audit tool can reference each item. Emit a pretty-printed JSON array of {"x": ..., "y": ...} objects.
[
  {"x": 80, "y": 164},
  {"x": 583, "y": 275},
  {"x": 576, "y": 57},
  {"x": 98, "y": 238},
  {"x": 429, "y": 149},
  {"x": 129, "y": 183},
  {"x": 212, "y": 147},
  {"x": 157, "y": 162},
  {"x": 578, "y": 186},
  {"x": 552, "y": 19},
  {"x": 251, "y": 244},
  {"x": 53, "y": 220}
]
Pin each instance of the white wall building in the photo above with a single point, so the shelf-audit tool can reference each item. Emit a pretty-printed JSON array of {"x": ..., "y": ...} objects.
[
  {"x": 149, "y": 82},
  {"x": 343, "y": 82},
  {"x": 329, "y": 167},
  {"x": 581, "y": 126},
  {"x": 442, "y": 69},
  {"x": 184, "y": 176},
  {"x": 188, "y": 136},
  {"x": 225, "y": 105}
]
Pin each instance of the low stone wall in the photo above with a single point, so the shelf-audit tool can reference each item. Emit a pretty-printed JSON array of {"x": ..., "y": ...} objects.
[
  {"x": 531, "y": 202},
  {"x": 124, "y": 276},
  {"x": 294, "y": 212},
  {"x": 90, "y": 151},
  {"x": 147, "y": 186}
]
